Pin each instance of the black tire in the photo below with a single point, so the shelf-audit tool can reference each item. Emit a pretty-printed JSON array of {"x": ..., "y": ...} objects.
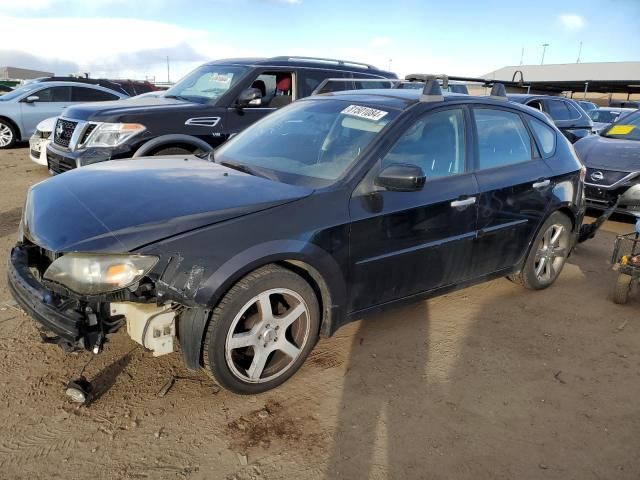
[
  {"x": 527, "y": 277},
  {"x": 215, "y": 358},
  {"x": 8, "y": 134},
  {"x": 622, "y": 289},
  {"x": 173, "y": 151}
]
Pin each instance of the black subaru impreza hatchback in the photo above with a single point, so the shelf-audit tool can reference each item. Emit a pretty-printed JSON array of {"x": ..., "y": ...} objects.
[{"x": 334, "y": 207}]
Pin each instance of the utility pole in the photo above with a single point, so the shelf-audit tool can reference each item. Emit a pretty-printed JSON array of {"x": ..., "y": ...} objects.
[
  {"x": 390, "y": 60},
  {"x": 522, "y": 56},
  {"x": 579, "y": 52},
  {"x": 544, "y": 49},
  {"x": 168, "y": 76}
]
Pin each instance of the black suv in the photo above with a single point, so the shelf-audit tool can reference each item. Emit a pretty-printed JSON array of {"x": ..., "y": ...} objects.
[
  {"x": 568, "y": 116},
  {"x": 205, "y": 108},
  {"x": 332, "y": 208}
]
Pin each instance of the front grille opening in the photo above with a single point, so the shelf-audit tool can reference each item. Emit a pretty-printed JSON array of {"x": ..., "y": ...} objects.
[{"x": 63, "y": 132}]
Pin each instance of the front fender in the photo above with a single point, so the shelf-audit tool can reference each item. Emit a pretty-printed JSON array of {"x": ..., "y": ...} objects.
[{"x": 212, "y": 289}]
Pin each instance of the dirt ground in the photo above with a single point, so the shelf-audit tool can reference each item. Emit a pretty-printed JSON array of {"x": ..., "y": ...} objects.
[{"x": 492, "y": 382}]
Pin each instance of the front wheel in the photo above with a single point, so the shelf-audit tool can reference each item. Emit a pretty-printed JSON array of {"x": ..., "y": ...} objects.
[
  {"x": 8, "y": 134},
  {"x": 548, "y": 254},
  {"x": 262, "y": 331}
]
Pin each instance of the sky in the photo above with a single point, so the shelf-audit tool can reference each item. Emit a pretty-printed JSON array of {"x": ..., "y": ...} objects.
[{"x": 132, "y": 39}]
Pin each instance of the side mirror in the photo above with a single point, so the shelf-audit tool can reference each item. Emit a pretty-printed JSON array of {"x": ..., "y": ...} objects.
[
  {"x": 250, "y": 97},
  {"x": 32, "y": 99},
  {"x": 401, "y": 177}
]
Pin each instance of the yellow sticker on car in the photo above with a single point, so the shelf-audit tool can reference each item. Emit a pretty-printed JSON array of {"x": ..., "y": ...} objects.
[{"x": 621, "y": 129}]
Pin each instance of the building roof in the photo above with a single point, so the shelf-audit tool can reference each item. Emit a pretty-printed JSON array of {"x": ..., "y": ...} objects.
[
  {"x": 602, "y": 77},
  {"x": 601, "y": 71}
]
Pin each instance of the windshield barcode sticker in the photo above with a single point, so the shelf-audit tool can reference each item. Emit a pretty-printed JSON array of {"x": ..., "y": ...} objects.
[{"x": 364, "y": 112}]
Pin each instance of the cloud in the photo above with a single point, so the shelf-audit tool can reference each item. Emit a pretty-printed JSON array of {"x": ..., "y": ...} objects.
[
  {"x": 572, "y": 21},
  {"x": 17, "y": 58},
  {"x": 380, "y": 42}
]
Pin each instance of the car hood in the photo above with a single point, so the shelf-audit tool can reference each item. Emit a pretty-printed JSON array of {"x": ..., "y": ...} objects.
[
  {"x": 121, "y": 205},
  {"x": 131, "y": 107},
  {"x": 609, "y": 153}
]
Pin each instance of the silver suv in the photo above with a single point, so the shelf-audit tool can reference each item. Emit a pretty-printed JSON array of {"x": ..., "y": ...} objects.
[{"x": 23, "y": 108}]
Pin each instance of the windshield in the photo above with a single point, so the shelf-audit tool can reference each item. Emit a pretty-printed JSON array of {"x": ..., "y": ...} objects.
[
  {"x": 18, "y": 92},
  {"x": 311, "y": 142},
  {"x": 206, "y": 83},
  {"x": 628, "y": 128}
]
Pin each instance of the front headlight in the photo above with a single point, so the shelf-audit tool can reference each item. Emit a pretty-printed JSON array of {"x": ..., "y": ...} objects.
[
  {"x": 113, "y": 134},
  {"x": 89, "y": 274}
]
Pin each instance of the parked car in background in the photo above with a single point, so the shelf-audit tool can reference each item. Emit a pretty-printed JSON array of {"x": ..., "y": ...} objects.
[
  {"x": 212, "y": 103},
  {"x": 625, "y": 103},
  {"x": 40, "y": 139},
  {"x": 568, "y": 116},
  {"x": 127, "y": 87},
  {"x": 605, "y": 116},
  {"x": 332, "y": 208},
  {"x": 613, "y": 162},
  {"x": 587, "y": 106},
  {"x": 24, "y": 107}
]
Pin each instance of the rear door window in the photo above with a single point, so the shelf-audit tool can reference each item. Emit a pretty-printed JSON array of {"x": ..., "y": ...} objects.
[
  {"x": 83, "y": 94},
  {"x": 503, "y": 138}
]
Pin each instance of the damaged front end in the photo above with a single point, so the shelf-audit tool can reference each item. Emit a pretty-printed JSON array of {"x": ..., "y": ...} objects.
[{"x": 81, "y": 315}]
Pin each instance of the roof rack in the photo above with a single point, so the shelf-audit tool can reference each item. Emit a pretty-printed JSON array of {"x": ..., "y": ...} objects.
[
  {"x": 330, "y": 61},
  {"x": 498, "y": 92},
  {"x": 432, "y": 91}
]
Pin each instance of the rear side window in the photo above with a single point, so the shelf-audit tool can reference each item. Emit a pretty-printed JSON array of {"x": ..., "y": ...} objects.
[
  {"x": 310, "y": 79},
  {"x": 83, "y": 94},
  {"x": 574, "y": 113},
  {"x": 434, "y": 143},
  {"x": 545, "y": 135},
  {"x": 558, "y": 110},
  {"x": 503, "y": 138}
]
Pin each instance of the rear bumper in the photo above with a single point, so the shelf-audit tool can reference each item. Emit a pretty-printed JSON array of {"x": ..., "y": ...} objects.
[{"x": 37, "y": 301}]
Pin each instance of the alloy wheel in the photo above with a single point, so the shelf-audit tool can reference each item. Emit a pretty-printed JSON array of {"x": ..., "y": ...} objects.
[
  {"x": 267, "y": 335},
  {"x": 552, "y": 253},
  {"x": 6, "y": 135}
]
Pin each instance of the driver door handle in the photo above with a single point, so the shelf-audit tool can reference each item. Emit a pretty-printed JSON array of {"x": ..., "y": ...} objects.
[
  {"x": 542, "y": 184},
  {"x": 464, "y": 202}
]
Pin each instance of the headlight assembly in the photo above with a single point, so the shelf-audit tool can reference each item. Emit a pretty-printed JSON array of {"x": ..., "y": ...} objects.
[
  {"x": 113, "y": 134},
  {"x": 90, "y": 274}
]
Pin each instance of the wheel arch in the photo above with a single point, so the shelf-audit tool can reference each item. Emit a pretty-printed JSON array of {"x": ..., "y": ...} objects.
[
  {"x": 312, "y": 263},
  {"x": 172, "y": 140}
]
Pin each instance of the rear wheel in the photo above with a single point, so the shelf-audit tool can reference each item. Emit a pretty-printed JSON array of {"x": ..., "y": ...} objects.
[
  {"x": 8, "y": 134},
  {"x": 262, "y": 331},
  {"x": 622, "y": 288},
  {"x": 548, "y": 254}
]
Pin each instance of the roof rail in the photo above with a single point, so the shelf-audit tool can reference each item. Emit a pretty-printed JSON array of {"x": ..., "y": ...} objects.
[
  {"x": 498, "y": 92},
  {"x": 331, "y": 61},
  {"x": 432, "y": 91}
]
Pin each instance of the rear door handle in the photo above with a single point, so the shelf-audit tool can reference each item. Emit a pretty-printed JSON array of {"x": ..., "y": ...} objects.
[
  {"x": 464, "y": 202},
  {"x": 542, "y": 184}
]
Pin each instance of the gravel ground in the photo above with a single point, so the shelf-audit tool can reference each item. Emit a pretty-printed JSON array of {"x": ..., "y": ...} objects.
[{"x": 490, "y": 382}]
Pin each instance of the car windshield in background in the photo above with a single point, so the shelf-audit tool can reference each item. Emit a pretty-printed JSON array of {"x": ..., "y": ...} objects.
[
  {"x": 19, "y": 91},
  {"x": 603, "y": 116},
  {"x": 627, "y": 128},
  {"x": 309, "y": 143},
  {"x": 207, "y": 83}
]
